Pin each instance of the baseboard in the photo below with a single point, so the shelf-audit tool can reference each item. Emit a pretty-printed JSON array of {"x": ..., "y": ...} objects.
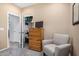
[{"x": 4, "y": 49}]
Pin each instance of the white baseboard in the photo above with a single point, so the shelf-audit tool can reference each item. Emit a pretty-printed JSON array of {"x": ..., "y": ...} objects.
[{"x": 4, "y": 49}]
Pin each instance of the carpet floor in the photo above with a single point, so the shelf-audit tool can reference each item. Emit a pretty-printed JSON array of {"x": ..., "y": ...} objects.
[{"x": 14, "y": 50}]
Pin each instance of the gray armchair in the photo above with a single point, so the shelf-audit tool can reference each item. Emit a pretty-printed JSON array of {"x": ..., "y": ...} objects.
[{"x": 58, "y": 46}]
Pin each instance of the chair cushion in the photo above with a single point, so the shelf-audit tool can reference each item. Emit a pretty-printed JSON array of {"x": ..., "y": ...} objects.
[
  {"x": 60, "y": 39},
  {"x": 48, "y": 41},
  {"x": 49, "y": 49}
]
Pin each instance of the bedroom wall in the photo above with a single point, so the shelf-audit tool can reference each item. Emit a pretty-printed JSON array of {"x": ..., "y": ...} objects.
[
  {"x": 74, "y": 33},
  {"x": 55, "y": 17},
  {"x": 4, "y": 9}
]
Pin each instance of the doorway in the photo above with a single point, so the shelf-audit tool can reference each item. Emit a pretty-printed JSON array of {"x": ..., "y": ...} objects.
[
  {"x": 18, "y": 30},
  {"x": 14, "y": 30},
  {"x": 26, "y": 24}
]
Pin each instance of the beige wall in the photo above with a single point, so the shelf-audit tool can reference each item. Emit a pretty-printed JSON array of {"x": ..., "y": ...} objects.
[
  {"x": 55, "y": 17},
  {"x": 74, "y": 32},
  {"x": 4, "y": 8}
]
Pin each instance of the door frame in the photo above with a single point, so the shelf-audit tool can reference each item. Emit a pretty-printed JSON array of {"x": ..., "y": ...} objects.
[
  {"x": 15, "y": 14},
  {"x": 24, "y": 15}
]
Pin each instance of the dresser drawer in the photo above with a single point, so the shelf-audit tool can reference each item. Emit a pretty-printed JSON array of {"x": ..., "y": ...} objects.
[
  {"x": 35, "y": 41},
  {"x": 35, "y": 45},
  {"x": 34, "y": 30},
  {"x": 35, "y": 48},
  {"x": 35, "y": 38},
  {"x": 34, "y": 34}
]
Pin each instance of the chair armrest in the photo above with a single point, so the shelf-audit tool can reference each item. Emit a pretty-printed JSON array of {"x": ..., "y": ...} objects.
[
  {"x": 49, "y": 41},
  {"x": 62, "y": 50}
]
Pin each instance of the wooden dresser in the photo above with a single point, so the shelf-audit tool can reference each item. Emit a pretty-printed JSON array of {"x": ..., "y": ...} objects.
[{"x": 35, "y": 39}]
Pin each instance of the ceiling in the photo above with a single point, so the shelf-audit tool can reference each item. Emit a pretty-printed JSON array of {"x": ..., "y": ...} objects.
[{"x": 22, "y": 5}]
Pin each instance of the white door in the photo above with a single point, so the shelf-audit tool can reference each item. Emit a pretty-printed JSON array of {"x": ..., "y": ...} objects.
[{"x": 14, "y": 28}]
